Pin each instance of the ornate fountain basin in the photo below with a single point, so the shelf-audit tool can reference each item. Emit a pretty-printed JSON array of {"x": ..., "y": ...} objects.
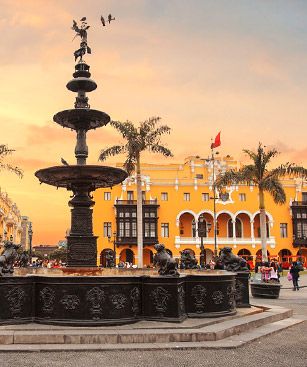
[
  {"x": 93, "y": 175},
  {"x": 79, "y": 118},
  {"x": 107, "y": 300}
]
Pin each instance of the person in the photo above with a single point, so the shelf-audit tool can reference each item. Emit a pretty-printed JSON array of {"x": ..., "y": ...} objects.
[
  {"x": 265, "y": 271},
  {"x": 295, "y": 272},
  {"x": 274, "y": 272}
]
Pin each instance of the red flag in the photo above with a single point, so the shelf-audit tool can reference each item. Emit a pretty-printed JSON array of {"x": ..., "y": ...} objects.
[{"x": 217, "y": 141}]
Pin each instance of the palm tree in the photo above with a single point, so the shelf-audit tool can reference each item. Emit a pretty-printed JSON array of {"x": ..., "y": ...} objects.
[
  {"x": 146, "y": 137},
  {"x": 258, "y": 174},
  {"x": 4, "y": 152}
]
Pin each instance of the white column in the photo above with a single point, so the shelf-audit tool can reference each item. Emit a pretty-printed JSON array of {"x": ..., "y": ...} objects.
[
  {"x": 252, "y": 230},
  {"x": 233, "y": 229}
]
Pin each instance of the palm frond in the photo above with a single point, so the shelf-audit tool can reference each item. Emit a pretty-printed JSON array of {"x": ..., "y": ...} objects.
[
  {"x": 130, "y": 163},
  {"x": 4, "y": 152},
  {"x": 230, "y": 177},
  {"x": 289, "y": 169},
  {"x": 112, "y": 151},
  {"x": 126, "y": 129},
  {"x": 275, "y": 188},
  {"x": 18, "y": 171},
  {"x": 157, "y": 148}
]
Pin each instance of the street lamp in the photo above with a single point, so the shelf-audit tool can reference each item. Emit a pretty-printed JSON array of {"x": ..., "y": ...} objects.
[
  {"x": 114, "y": 246},
  {"x": 202, "y": 234},
  {"x": 30, "y": 234}
]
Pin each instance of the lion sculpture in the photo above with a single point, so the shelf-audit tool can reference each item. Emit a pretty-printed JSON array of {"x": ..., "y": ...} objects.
[
  {"x": 167, "y": 265},
  {"x": 8, "y": 257},
  {"x": 231, "y": 261}
]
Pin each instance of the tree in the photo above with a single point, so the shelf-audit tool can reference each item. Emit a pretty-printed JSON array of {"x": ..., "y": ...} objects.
[
  {"x": 138, "y": 139},
  {"x": 258, "y": 174},
  {"x": 4, "y": 152}
]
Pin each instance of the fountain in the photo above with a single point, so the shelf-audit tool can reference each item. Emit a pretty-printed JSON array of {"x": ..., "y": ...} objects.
[
  {"x": 81, "y": 179},
  {"x": 82, "y": 294}
]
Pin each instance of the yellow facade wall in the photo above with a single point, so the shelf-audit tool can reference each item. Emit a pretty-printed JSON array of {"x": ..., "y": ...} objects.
[{"x": 194, "y": 177}]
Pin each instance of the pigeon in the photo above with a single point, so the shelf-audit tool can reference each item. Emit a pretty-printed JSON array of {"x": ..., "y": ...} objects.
[
  {"x": 64, "y": 162},
  {"x": 83, "y": 19},
  {"x": 102, "y": 21},
  {"x": 110, "y": 18}
]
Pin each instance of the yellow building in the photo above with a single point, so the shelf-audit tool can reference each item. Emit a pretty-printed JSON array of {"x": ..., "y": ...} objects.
[
  {"x": 10, "y": 219},
  {"x": 176, "y": 196}
]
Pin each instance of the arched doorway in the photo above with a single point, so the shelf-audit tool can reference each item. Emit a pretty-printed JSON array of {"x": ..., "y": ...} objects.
[
  {"x": 103, "y": 256},
  {"x": 244, "y": 252},
  {"x": 127, "y": 255},
  {"x": 285, "y": 257},
  {"x": 147, "y": 257},
  {"x": 259, "y": 254},
  {"x": 247, "y": 256}
]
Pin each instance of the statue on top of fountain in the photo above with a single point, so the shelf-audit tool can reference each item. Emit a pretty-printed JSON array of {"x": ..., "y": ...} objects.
[
  {"x": 167, "y": 264},
  {"x": 231, "y": 261},
  {"x": 81, "y": 32}
]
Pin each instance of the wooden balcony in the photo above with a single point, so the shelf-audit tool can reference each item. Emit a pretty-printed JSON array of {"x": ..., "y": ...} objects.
[{"x": 134, "y": 202}]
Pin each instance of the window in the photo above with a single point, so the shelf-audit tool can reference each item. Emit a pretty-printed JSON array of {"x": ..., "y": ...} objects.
[
  {"x": 150, "y": 229},
  {"x": 107, "y": 232},
  {"x": 143, "y": 195},
  {"x": 205, "y": 196},
  {"x": 283, "y": 230},
  {"x": 150, "y": 213},
  {"x": 107, "y": 195},
  {"x": 130, "y": 195},
  {"x": 186, "y": 196},
  {"x": 242, "y": 197},
  {"x": 304, "y": 197},
  {"x": 200, "y": 176},
  {"x": 164, "y": 196},
  {"x": 164, "y": 230}
]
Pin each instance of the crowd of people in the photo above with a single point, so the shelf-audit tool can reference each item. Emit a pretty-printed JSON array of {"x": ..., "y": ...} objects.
[
  {"x": 270, "y": 272},
  {"x": 45, "y": 263}
]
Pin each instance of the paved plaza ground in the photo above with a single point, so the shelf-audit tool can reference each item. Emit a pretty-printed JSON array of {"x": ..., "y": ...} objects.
[{"x": 286, "y": 348}]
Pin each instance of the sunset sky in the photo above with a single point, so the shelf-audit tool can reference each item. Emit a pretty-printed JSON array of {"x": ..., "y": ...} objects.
[{"x": 204, "y": 66}]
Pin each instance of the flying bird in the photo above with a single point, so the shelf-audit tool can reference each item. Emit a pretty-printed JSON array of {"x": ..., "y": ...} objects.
[
  {"x": 64, "y": 162},
  {"x": 110, "y": 18},
  {"x": 102, "y": 21},
  {"x": 83, "y": 19}
]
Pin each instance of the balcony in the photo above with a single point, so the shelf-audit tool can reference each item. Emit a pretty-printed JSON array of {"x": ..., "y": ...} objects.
[
  {"x": 147, "y": 241},
  {"x": 299, "y": 203},
  {"x": 222, "y": 241},
  {"x": 134, "y": 202}
]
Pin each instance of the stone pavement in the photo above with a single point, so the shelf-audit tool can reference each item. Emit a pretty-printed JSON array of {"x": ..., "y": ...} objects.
[{"x": 288, "y": 347}]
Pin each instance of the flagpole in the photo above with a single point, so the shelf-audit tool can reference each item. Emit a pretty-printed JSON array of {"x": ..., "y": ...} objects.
[{"x": 214, "y": 201}]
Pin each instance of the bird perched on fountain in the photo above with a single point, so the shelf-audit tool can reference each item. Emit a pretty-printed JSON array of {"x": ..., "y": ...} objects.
[
  {"x": 83, "y": 19},
  {"x": 110, "y": 18},
  {"x": 64, "y": 162}
]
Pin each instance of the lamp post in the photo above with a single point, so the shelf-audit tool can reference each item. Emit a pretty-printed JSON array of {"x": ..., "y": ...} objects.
[
  {"x": 30, "y": 234},
  {"x": 114, "y": 246},
  {"x": 202, "y": 234},
  {"x": 212, "y": 159}
]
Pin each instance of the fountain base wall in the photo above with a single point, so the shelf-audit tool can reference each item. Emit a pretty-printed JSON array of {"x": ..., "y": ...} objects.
[{"x": 103, "y": 300}]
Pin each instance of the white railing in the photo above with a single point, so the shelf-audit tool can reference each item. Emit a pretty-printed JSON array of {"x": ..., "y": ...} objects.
[{"x": 222, "y": 240}]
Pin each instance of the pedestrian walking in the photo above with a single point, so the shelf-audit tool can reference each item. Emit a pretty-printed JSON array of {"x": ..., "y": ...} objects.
[{"x": 295, "y": 272}]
